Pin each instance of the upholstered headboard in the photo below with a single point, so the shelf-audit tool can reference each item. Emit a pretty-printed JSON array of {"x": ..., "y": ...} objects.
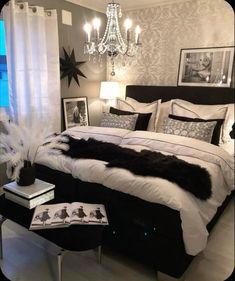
[{"x": 199, "y": 95}]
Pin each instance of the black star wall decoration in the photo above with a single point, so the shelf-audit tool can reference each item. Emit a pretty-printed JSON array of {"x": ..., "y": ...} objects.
[{"x": 70, "y": 67}]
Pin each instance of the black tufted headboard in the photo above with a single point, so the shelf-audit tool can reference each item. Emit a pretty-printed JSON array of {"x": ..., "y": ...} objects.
[{"x": 199, "y": 95}]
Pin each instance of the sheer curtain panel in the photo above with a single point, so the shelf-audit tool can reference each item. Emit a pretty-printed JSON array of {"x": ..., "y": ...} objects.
[{"x": 33, "y": 64}]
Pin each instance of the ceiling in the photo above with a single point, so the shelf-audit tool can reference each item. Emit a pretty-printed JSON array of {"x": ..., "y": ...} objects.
[{"x": 100, "y": 5}]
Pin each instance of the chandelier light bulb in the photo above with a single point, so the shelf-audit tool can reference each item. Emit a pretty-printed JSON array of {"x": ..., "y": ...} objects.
[
  {"x": 96, "y": 23},
  {"x": 87, "y": 28},
  {"x": 127, "y": 24}
]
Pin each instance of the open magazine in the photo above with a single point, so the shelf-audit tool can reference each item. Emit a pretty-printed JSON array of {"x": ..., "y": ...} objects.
[{"x": 66, "y": 214}]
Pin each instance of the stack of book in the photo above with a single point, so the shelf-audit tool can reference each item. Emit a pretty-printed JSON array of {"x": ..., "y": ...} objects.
[{"x": 29, "y": 196}]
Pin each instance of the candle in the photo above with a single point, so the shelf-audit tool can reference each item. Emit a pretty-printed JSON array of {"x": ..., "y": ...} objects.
[
  {"x": 137, "y": 34},
  {"x": 96, "y": 24},
  {"x": 128, "y": 24},
  {"x": 87, "y": 29}
]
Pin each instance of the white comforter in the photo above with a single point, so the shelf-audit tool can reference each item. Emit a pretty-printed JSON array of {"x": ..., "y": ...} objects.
[{"x": 194, "y": 213}]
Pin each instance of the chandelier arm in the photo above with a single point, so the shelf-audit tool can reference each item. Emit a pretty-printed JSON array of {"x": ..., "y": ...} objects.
[
  {"x": 119, "y": 36},
  {"x": 105, "y": 37},
  {"x": 135, "y": 48}
]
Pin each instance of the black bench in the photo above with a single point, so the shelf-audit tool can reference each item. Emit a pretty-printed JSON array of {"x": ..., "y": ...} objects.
[{"x": 73, "y": 238}]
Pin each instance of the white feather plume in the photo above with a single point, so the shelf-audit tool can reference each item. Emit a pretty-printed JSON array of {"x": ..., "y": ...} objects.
[{"x": 21, "y": 143}]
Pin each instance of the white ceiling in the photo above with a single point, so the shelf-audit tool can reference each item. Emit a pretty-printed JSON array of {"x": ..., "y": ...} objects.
[{"x": 100, "y": 5}]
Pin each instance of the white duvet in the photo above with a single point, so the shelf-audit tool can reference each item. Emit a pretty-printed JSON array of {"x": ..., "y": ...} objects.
[{"x": 194, "y": 213}]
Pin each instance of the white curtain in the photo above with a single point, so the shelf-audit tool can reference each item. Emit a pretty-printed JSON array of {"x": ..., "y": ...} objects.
[{"x": 33, "y": 64}]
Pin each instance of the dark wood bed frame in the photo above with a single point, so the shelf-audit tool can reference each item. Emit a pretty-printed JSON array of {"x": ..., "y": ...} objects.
[{"x": 146, "y": 231}]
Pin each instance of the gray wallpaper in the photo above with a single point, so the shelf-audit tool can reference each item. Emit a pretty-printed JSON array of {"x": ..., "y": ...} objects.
[
  {"x": 165, "y": 30},
  {"x": 168, "y": 28}
]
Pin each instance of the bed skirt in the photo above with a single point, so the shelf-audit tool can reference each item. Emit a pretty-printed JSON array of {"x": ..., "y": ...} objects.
[{"x": 148, "y": 232}]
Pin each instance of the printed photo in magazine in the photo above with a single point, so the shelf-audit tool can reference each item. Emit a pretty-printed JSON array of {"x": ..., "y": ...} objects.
[{"x": 66, "y": 214}]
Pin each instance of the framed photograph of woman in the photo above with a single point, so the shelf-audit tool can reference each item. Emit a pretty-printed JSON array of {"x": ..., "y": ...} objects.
[
  {"x": 210, "y": 67},
  {"x": 75, "y": 112}
]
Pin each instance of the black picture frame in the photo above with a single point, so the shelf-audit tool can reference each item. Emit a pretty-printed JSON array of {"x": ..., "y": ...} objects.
[
  {"x": 75, "y": 112},
  {"x": 206, "y": 67}
]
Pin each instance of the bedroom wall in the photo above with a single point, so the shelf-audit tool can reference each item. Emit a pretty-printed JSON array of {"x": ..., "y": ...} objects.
[
  {"x": 165, "y": 30},
  {"x": 73, "y": 37},
  {"x": 168, "y": 28}
]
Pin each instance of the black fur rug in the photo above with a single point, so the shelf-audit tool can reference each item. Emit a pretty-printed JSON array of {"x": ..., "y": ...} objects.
[{"x": 190, "y": 177}]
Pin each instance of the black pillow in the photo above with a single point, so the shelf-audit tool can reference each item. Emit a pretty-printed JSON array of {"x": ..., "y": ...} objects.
[
  {"x": 141, "y": 122},
  {"x": 232, "y": 133},
  {"x": 216, "y": 133}
]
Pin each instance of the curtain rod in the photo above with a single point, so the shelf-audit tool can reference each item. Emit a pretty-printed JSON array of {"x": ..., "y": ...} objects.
[{"x": 33, "y": 8}]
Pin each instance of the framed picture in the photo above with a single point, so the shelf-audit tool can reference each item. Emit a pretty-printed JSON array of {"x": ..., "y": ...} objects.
[
  {"x": 206, "y": 67},
  {"x": 75, "y": 112}
]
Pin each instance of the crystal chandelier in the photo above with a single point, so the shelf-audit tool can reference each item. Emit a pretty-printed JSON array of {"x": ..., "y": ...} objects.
[{"x": 112, "y": 43}]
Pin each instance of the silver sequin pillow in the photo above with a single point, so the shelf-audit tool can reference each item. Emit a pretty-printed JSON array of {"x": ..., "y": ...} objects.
[
  {"x": 119, "y": 121},
  {"x": 197, "y": 130}
]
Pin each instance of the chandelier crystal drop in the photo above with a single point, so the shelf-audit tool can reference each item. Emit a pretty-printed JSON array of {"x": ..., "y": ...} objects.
[{"x": 112, "y": 43}]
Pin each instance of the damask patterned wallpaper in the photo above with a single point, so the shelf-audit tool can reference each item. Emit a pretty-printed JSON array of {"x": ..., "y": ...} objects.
[{"x": 168, "y": 28}]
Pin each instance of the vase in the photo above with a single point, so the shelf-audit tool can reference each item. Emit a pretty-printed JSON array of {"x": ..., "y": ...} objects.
[{"x": 27, "y": 174}]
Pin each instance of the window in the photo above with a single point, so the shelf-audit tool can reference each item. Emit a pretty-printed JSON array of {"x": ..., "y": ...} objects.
[{"x": 4, "y": 99}]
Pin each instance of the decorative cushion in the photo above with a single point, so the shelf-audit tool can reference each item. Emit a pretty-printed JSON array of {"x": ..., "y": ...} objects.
[
  {"x": 119, "y": 121},
  {"x": 218, "y": 111},
  {"x": 217, "y": 129},
  {"x": 197, "y": 130},
  {"x": 134, "y": 106},
  {"x": 141, "y": 122}
]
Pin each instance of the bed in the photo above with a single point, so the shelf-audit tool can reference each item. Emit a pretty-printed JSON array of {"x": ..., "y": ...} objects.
[{"x": 145, "y": 229}]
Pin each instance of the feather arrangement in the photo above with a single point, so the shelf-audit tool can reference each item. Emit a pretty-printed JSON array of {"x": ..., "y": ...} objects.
[{"x": 19, "y": 145}]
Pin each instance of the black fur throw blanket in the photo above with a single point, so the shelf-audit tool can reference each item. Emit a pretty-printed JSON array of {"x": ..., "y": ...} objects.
[{"x": 190, "y": 177}]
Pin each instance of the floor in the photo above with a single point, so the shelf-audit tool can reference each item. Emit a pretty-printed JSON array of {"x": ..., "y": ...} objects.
[{"x": 28, "y": 257}]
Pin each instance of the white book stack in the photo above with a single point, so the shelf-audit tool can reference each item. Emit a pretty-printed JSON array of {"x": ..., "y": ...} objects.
[{"x": 29, "y": 196}]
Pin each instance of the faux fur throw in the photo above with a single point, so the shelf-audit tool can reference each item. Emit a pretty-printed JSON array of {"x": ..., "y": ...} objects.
[{"x": 190, "y": 177}]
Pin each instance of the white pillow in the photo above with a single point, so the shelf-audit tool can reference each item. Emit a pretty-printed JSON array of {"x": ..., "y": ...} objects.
[
  {"x": 163, "y": 115},
  {"x": 229, "y": 147},
  {"x": 218, "y": 111},
  {"x": 134, "y": 106}
]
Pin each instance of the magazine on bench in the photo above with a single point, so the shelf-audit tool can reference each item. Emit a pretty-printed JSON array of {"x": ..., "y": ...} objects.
[{"x": 66, "y": 214}]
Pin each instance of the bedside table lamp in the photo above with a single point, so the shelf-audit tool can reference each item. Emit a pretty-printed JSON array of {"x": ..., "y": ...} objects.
[{"x": 109, "y": 91}]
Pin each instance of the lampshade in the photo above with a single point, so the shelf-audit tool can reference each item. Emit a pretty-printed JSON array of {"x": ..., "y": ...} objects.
[{"x": 109, "y": 90}]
